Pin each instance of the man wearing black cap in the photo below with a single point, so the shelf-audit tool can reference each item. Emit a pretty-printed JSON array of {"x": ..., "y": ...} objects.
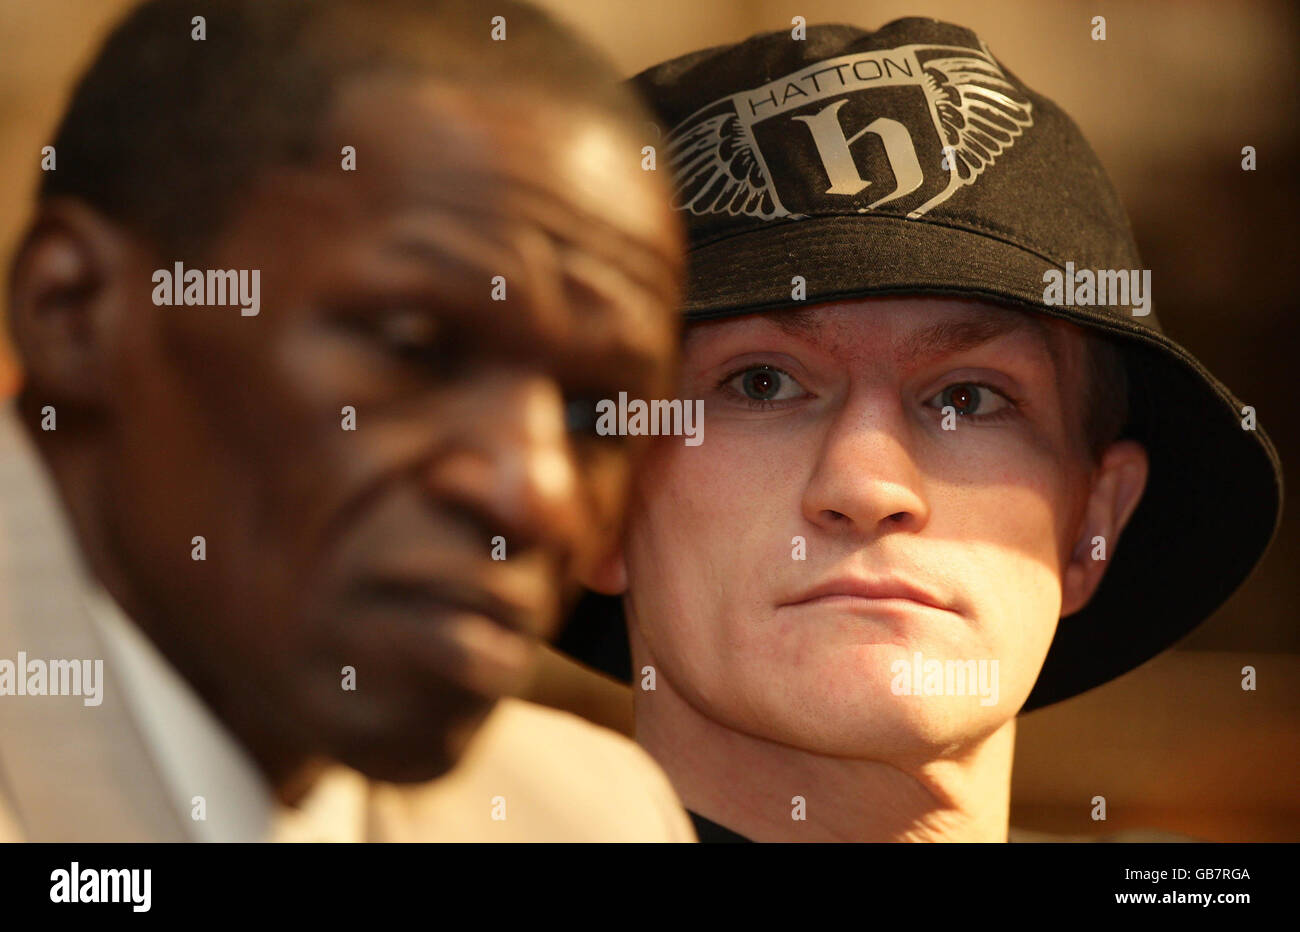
[{"x": 936, "y": 398}]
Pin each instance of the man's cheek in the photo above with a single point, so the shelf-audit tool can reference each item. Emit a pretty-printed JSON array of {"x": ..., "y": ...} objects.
[
  {"x": 735, "y": 481},
  {"x": 1016, "y": 603},
  {"x": 676, "y": 495},
  {"x": 1018, "y": 514}
]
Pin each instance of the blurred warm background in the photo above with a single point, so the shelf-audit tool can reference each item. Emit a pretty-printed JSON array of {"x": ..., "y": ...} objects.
[{"x": 1168, "y": 100}]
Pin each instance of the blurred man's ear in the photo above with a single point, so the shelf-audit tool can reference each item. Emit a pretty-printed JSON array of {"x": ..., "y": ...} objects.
[
  {"x": 1117, "y": 487},
  {"x": 64, "y": 301}
]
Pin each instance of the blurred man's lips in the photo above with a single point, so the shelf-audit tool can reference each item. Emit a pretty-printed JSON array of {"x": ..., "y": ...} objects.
[
  {"x": 440, "y": 596},
  {"x": 462, "y": 634},
  {"x": 881, "y": 593}
]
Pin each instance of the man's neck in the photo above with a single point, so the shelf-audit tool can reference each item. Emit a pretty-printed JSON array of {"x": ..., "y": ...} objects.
[
  {"x": 752, "y": 785},
  {"x": 288, "y": 770}
]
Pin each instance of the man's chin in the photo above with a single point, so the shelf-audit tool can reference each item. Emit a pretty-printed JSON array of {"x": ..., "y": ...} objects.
[
  {"x": 415, "y": 755},
  {"x": 921, "y": 727},
  {"x": 869, "y": 722}
]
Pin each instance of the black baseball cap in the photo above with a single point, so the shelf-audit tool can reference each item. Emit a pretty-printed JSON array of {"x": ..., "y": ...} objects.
[{"x": 909, "y": 160}]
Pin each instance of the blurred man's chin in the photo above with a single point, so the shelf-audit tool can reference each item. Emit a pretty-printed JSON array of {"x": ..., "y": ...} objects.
[
  {"x": 419, "y": 766},
  {"x": 415, "y": 752}
]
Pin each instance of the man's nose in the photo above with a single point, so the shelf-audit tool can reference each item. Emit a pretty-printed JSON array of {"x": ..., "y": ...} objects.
[
  {"x": 865, "y": 478},
  {"x": 508, "y": 461}
]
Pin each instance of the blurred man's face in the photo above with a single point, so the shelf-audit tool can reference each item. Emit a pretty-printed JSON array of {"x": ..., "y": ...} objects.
[
  {"x": 827, "y": 425},
  {"x": 373, "y": 548}
]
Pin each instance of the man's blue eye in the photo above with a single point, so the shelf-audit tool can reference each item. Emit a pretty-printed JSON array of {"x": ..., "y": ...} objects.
[
  {"x": 761, "y": 384},
  {"x": 765, "y": 383},
  {"x": 964, "y": 397},
  {"x": 967, "y": 398}
]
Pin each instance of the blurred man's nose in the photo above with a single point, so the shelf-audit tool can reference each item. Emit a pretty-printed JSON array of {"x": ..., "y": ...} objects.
[
  {"x": 507, "y": 459},
  {"x": 865, "y": 478}
]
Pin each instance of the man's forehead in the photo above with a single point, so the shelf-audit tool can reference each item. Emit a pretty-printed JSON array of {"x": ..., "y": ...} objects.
[
  {"x": 909, "y": 328},
  {"x": 904, "y": 316},
  {"x": 507, "y": 187},
  {"x": 471, "y": 148}
]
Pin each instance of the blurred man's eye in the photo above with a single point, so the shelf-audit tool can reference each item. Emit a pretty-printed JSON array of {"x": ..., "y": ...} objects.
[
  {"x": 407, "y": 332},
  {"x": 584, "y": 422},
  {"x": 581, "y": 416}
]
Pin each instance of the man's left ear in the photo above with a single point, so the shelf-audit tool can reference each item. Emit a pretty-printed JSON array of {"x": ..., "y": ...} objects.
[
  {"x": 65, "y": 303},
  {"x": 1117, "y": 486}
]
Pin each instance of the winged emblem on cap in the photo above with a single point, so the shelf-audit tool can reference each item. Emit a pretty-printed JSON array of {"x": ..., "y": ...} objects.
[
  {"x": 978, "y": 113},
  {"x": 715, "y": 168},
  {"x": 981, "y": 113}
]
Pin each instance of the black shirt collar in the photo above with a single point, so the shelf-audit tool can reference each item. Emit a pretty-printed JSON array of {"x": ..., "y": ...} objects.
[{"x": 710, "y": 832}]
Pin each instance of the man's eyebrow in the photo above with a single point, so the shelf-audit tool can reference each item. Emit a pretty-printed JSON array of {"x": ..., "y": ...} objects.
[
  {"x": 954, "y": 336},
  {"x": 796, "y": 322}
]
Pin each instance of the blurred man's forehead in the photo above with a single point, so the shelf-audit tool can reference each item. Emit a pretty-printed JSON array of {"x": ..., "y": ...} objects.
[
  {"x": 520, "y": 156},
  {"x": 470, "y": 212}
]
